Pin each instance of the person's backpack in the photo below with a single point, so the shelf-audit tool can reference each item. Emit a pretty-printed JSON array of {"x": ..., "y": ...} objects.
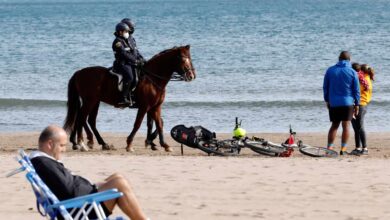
[{"x": 192, "y": 135}]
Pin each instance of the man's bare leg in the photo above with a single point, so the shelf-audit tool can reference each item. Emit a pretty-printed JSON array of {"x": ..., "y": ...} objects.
[
  {"x": 128, "y": 203},
  {"x": 345, "y": 135},
  {"x": 332, "y": 133}
]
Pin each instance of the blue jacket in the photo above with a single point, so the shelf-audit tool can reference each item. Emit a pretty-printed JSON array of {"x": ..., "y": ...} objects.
[{"x": 341, "y": 85}]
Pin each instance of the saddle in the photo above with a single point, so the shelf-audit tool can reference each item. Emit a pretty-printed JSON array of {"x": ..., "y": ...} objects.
[{"x": 120, "y": 78}]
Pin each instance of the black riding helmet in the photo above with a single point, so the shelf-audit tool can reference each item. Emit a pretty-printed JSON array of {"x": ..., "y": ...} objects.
[
  {"x": 121, "y": 27},
  {"x": 129, "y": 23}
]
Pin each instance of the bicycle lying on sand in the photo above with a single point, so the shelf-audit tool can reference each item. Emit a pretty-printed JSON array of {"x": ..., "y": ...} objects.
[
  {"x": 200, "y": 138},
  {"x": 262, "y": 146}
]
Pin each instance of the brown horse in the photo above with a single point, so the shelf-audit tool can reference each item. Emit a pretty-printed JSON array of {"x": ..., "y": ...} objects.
[{"x": 92, "y": 85}]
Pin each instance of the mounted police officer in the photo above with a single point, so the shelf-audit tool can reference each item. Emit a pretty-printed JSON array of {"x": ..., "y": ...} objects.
[
  {"x": 127, "y": 58},
  {"x": 131, "y": 41}
]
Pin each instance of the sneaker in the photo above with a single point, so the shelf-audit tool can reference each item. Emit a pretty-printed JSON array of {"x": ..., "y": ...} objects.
[
  {"x": 364, "y": 151},
  {"x": 343, "y": 152},
  {"x": 330, "y": 148},
  {"x": 356, "y": 152}
]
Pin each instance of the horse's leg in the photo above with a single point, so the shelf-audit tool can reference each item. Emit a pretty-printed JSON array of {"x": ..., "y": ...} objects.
[
  {"x": 75, "y": 133},
  {"x": 80, "y": 139},
  {"x": 92, "y": 122},
  {"x": 140, "y": 116},
  {"x": 85, "y": 110},
  {"x": 156, "y": 115},
  {"x": 149, "y": 137},
  {"x": 89, "y": 135},
  {"x": 73, "y": 138}
]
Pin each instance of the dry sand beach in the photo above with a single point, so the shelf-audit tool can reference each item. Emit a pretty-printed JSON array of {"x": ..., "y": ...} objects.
[{"x": 196, "y": 186}]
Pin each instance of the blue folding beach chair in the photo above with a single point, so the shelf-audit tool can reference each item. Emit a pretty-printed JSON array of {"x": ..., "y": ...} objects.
[{"x": 71, "y": 209}]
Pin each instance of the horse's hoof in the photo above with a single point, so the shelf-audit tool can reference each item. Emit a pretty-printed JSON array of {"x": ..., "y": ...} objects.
[
  {"x": 152, "y": 145},
  {"x": 90, "y": 144},
  {"x": 106, "y": 147},
  {"x": 146, "y": 143},
  {"x": 75, "y": 147},
  {"x": 168, "y": 149},
  {"x": 83, "y": 148},
  {"x": 130, "y": 149}
]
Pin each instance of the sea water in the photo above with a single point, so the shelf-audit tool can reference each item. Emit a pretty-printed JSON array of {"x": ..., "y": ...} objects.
[{"x": 262, "y": 61}]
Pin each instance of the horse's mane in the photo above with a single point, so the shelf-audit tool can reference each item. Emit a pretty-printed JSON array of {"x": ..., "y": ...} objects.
[{"x": 163, "y": 52}]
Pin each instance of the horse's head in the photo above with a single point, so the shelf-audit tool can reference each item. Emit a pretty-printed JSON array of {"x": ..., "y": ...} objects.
[
  {"x": 175, "y": 61},
  {"x": 184, "y": 67}
]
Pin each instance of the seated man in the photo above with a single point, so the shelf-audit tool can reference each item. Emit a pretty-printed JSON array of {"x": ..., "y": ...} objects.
[{"x": 52, "y": 142}]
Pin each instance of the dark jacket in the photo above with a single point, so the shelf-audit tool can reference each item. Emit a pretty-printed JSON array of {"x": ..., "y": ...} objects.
[
  {"x": 133, "y": 44},
  {"x": 125, "y": 51},
  {"x": 60, "y": 180}
]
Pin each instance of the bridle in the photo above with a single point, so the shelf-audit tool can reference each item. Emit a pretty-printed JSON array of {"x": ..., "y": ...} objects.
[{"x": 181, "y": 76}]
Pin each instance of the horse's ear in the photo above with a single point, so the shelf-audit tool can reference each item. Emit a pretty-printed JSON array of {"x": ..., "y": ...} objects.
[{"x": 187, "y": 46}]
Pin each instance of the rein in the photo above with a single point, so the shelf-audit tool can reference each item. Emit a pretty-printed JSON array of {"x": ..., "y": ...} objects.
[
  {"x": 149, "y": 74},
  {"x": 174, "y": 77},
  {"x": 154, "y": 83}
]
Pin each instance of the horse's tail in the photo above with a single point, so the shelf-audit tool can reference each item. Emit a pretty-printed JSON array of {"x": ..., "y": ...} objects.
[{"x": 73, "y": 105}]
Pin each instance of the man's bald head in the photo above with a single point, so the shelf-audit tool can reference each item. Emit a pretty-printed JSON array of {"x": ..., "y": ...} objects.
[
  {"x": 345, "y": 55},
  {"x": 51, "y": 132},
  {"x": 53, "y": 141}
]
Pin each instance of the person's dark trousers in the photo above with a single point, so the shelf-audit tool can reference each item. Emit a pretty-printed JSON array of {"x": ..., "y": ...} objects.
[
  {"x": 127, "y": 73},
  {"x": 358, "y": 127},
  {"x": 128, "y": 78}
]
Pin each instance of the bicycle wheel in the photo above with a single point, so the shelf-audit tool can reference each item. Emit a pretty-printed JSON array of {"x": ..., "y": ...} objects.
[
  {"x": 264, "y": 147},
  {"x": 230, "y": 147},
  {"x": 220, "y": 148},
  {"x": 317, "y": 151}
]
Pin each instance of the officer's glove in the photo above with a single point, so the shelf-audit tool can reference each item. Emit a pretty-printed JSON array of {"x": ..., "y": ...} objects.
[{"x": 140, "y": 63}]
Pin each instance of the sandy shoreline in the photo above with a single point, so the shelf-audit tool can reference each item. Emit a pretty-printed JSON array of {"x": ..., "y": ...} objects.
[
  {"x": 196, "y": 186},
  {"x": 378, "y": 142}
]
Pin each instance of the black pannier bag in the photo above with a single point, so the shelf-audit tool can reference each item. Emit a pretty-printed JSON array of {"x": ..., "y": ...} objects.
[{"x": 192, "y": 135}]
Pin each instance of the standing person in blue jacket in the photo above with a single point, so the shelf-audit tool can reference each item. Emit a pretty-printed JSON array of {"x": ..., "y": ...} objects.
[{"x": 342, "y": 97}]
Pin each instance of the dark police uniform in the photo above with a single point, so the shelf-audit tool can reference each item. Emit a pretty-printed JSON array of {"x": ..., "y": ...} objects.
[
  {"x": 126, "y": 57},
  {"x": 131, "y": 41}
]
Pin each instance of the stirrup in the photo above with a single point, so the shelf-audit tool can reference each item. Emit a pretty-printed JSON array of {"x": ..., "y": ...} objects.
[{"x": 125, "y": 102}]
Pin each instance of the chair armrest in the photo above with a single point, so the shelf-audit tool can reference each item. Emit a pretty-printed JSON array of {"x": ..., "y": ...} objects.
[{"x": 81, "y": 200}]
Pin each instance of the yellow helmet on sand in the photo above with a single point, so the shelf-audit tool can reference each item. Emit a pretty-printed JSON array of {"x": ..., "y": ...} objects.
[{"x": 239, "y": 133}]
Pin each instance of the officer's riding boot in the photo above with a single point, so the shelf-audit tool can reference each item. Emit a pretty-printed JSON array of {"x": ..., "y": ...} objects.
[{"x": 125, "y": 95}]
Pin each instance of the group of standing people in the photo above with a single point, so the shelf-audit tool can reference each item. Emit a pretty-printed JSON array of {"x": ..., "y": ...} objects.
[{"x": 347, "y": 92}]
